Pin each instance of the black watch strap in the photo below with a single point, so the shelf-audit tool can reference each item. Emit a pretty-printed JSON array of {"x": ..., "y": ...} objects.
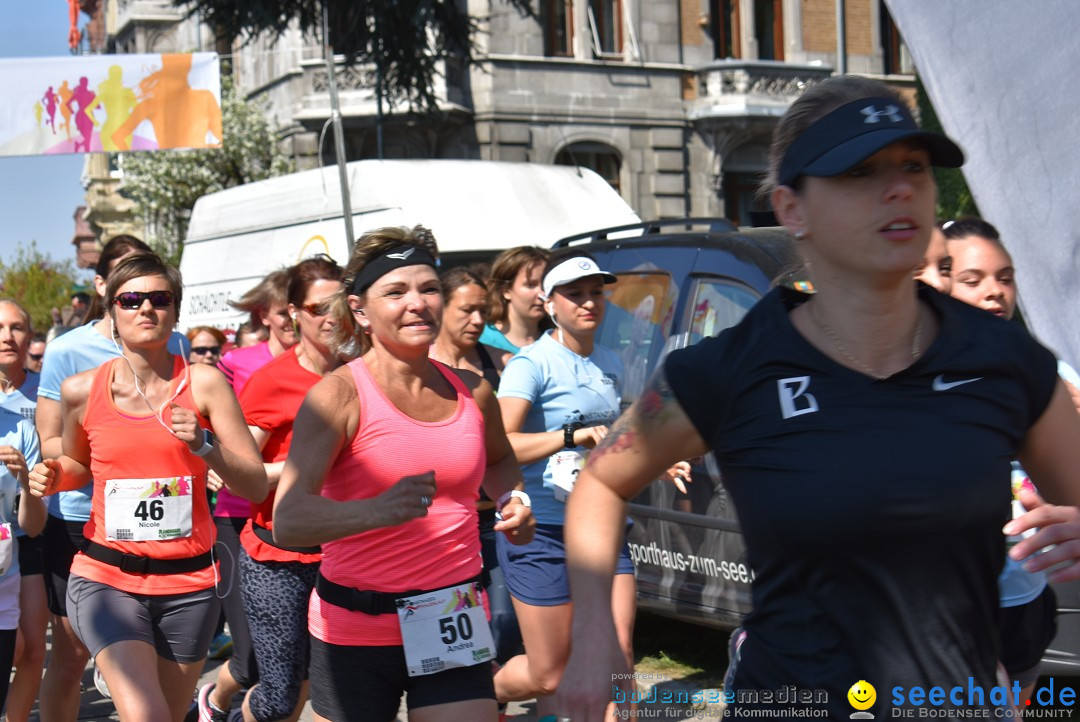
[{"x": 568, "y": 434}]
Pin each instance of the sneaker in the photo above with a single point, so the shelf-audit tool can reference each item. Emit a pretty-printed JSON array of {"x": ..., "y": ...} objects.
[
  {"x": 735, "y": 643},
  {"x": 221, "y": 647},
  {"x": 208, "y": 712},
  {"x": 99, "y": 683}
]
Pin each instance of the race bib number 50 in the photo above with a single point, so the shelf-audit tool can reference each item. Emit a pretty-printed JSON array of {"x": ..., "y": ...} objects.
[
  {"x": 148, "y": 509},
  {"x": 444, "y": 629}
]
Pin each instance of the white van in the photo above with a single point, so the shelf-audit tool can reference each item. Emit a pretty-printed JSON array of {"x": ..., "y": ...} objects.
[{"x": 475, "y": 209}]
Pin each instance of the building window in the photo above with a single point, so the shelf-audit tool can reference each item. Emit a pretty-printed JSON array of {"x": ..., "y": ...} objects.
[
  {"x": 557, "y": 18},
  {"x": 605, "y": 21},
  {"x": 742, "y": 205},
  {"x": 724, "y": 26},
  {"x": 769, "y": 29},
  {"x": 597, "y": 157},
  {"x": 894, "y": 52}
]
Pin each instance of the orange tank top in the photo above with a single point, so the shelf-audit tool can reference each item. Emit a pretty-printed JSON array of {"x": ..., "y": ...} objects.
[
  {"x": 429, "y": 552},
  {"x": 144, "y": 477}
]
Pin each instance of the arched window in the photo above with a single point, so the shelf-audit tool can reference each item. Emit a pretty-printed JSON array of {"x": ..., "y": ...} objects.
[{"x": 597, "y": 157}]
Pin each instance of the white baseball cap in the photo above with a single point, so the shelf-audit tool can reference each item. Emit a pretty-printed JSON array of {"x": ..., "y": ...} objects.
[{"x": 571, "y": 270}]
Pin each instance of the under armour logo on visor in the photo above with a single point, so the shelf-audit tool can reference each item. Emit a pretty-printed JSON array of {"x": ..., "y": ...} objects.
[
  {"x": 402, "y": 256},
  {"x": 873, "y": 115}
]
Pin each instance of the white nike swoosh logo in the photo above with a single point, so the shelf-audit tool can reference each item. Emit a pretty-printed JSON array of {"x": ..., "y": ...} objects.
[
  {"x": 402, "y": 256},
  {"x": 940, "y": 384}
]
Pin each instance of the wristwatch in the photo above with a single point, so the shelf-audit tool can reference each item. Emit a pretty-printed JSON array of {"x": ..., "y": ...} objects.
[
  {"x": 515, "y": 494},
  {"x": 568, "y": 434},
  {"x": 207, "y": 443},
  {"x": 505, "y": 499}
]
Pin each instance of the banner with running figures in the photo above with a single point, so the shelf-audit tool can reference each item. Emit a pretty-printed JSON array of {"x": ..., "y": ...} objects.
[{"x": 96, "y": 103}]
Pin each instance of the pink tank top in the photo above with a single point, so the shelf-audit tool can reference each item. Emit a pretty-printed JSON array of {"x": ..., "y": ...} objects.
[{"x": 430, "y": 552}]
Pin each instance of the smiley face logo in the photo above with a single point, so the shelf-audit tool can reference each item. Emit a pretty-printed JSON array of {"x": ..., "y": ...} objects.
[{"x": 862, "y": 695}]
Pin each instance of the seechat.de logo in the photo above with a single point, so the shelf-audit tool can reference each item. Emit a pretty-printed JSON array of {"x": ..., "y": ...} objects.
[{"x": 862, "y": 696}]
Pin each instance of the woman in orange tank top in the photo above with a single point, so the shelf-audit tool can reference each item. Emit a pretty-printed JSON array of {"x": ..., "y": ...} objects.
[
  {"x": 142, "y": 594},
  {"x": 387, "y": 459}
]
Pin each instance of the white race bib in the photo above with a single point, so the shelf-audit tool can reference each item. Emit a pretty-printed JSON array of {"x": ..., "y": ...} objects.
[
  {"x": 565, "y": 467},
  {"x": 445, "y": 629},
  {"x": 7, "y": 548},
  {"x": 148, "y": 509}
]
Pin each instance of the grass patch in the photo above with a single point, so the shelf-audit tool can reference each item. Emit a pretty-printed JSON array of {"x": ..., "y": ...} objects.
[{"x": 680, "y": 651}]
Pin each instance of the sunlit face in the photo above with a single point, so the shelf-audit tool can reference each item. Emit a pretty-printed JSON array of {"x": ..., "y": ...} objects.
[
  {"x": 464, "y": 315},
  {"x": 983, "y": 275},
  {"x": 205, "y": 349},
  {"x": 523, "y": 295},
  {"x": 313, "y": 318},
  {"x": 936, "y": 267},
  {"x": 578, "y": 307},
  {"x": 280, "y": 323},
  {"x": 145, "y": 325},
  {"x": 14, "y": 337},
  {"x": 874, "y": 219},
  {"x": 403, "y": 308},
  {"x": 248, "y": 338},
  {"x": 35, "y": 355}
]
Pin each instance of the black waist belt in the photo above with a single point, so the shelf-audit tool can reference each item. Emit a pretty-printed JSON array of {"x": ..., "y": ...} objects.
[
  {"x": 267, "y": 536},
  {"x": 368, "y": 602},
  {"x": 135, "y": 564}
]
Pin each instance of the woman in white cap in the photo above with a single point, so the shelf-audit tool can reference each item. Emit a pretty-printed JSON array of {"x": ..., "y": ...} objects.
[
  {"x": 558, "y": 397},
  {"x": 873, "y": 564}
]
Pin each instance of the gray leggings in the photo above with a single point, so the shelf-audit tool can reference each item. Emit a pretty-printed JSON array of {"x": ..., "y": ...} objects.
[{"x": 276, "y": 599}]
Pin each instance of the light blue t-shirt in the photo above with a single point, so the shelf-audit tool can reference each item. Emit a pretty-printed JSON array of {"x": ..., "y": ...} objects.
[
  {"x": 76, "y": 351},
  {"x": 495, "y": 338},
  {"x": 19, "y": 433},
  {"x": 563, "y": 388},
  {"x": 23, "y": 400}
]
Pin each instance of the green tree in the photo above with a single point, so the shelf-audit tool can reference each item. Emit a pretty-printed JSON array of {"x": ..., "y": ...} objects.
[
  {"x": 406, "y": 39},
  {"x": 954, "y": 196},
  {"x": 165, "y": 185},
  {"x": 39, "y": 283}
]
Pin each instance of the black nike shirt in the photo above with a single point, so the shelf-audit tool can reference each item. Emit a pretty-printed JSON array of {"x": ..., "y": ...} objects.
[{"x": 872, "y": 509}]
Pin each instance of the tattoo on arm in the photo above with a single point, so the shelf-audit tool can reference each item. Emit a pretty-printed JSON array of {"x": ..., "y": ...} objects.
[{"x": 650, "y": 412}]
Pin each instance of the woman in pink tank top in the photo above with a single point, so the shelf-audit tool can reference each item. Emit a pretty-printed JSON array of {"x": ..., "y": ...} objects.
[
  {"x": 141, "y": 594},
  {"x": 388, "y": 456}
]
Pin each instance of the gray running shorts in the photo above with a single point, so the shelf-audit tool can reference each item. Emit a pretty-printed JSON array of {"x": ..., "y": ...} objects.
[{"x": 178, "y": 626}]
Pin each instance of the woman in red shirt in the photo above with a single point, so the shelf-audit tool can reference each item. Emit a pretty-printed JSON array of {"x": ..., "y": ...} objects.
[
  {"x": 142, "y": 590},
  {"x": 276, "y": 581}
]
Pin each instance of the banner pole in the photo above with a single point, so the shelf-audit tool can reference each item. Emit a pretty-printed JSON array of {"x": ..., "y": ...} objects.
[{"x": 339, "y": 134}]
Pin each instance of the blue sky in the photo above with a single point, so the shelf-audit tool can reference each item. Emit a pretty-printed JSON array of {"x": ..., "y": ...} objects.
[{"x": 38, "y": 195}]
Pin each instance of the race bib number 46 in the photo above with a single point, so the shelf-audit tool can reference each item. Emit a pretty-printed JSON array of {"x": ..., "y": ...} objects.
[
  {"x": 148, "y": 509},
  {"x": 444, "y": 629}
]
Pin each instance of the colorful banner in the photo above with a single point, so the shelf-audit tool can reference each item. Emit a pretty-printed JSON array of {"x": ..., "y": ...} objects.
[{"x": 94, "y": 103}]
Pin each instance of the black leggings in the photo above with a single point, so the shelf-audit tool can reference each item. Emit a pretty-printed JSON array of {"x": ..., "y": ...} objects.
[
  {"x": 276, "y": 598},
  {"x": 7, "y": 659},
  {"x": 242, "y": 663}
]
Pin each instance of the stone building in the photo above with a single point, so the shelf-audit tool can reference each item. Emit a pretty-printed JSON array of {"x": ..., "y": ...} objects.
[{"x": 672, "y": 101}]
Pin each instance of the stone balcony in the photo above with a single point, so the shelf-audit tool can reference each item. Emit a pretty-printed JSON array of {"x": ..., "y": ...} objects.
[
  {"x": 129, "y": 12},
  {"x": 749, "y": 89}
]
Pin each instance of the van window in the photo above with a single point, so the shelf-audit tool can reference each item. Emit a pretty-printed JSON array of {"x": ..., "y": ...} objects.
[
  {"x": 718, "y": 304},
  {"x": 636, "y": 323}
]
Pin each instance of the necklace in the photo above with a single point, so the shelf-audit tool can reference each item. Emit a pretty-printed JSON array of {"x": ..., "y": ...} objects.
[{"x": 865, "y": 368}]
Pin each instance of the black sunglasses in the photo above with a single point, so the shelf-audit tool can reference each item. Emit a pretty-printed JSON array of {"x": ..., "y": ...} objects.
[
  {"x": 132, "y": 300},
  {"x": 36, "y": 356},
  {"x": 203, "y": 350}
]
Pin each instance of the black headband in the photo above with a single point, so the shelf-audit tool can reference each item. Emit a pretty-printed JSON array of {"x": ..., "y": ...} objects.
[
  {"x": 399, "y": 256},
  {"x": 853, "y": 132}
]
